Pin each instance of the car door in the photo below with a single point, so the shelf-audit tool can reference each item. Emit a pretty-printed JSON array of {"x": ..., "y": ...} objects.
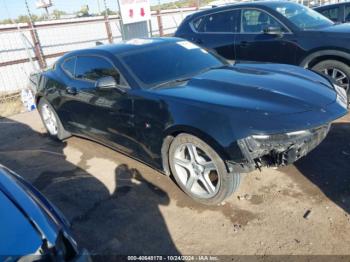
[
  {"x": 216, "y": 31},
  {"x": 102, "y": 114},
  {"x": 255, "y": 41}
]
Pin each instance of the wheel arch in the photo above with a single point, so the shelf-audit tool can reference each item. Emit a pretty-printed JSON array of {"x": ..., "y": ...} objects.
[
  {"x": 173, "y": 131},
  {"x": 318, "y": 56}
]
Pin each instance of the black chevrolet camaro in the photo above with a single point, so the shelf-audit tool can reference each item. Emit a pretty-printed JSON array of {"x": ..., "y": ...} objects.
[{"x": 188, "y": 112}]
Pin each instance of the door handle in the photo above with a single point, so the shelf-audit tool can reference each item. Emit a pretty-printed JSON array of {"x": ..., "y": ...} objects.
[
  {"x": 71, "y": 90},
  {"x": 244, "y": 44}
]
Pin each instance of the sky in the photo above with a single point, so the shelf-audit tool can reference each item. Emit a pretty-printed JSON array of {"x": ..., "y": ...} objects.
[{"x": 13, "y": 8}]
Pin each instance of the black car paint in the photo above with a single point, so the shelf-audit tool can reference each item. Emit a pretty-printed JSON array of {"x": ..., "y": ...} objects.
[
  {"x": 297, "y": 47},
  {"x": 342, "y": 15},
  {"x": 210, "y": 106}
]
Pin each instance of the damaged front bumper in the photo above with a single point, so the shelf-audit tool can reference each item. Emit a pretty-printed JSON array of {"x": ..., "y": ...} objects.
[{"x": 280, "y": 149}]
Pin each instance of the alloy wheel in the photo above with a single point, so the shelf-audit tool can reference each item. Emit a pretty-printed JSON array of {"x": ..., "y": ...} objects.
[
  {"x": 196, "y": 171},
  {"x": 49, "y": 119},
  {"x": 339, "y": 76}
]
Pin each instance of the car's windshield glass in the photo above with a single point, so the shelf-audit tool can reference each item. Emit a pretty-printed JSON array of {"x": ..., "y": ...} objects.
[
  {"x": 166, "y": 62},
  {"x": 303, "y": 17}
]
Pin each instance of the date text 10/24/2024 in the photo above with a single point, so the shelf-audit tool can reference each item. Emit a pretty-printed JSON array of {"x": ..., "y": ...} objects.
[{"x": 172, "y": 258}]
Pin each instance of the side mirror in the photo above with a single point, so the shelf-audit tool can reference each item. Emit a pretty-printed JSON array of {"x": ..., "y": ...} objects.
[
  {"x": 273, "y": 30},
  {"x": 106, "y": 82}
]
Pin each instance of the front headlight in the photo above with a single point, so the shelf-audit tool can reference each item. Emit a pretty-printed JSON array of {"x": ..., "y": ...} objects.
[
  {"x": 282, "y": 137},
  {"x": 256, "y": 146}
]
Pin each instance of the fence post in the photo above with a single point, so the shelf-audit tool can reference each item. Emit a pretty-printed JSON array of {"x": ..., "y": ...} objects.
[
  {"x": 109, "y": 30},
  {"x": 37, "y": 46},
  {"x": 160, "y": 23},
  {"x": 150, "y": 27}
]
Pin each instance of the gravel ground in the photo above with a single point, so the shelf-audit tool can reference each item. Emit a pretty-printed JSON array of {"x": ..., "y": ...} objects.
[{"x": 118, "y": 205}]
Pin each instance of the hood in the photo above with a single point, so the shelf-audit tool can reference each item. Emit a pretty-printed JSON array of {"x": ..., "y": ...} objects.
[
  {"x": 18, "y": 236},
  {"x": 25, "y": 216},
  {"x": 261, "y": 88},
  {"x": 336, "y": 28},
  {"x": 340, "y": 31}
]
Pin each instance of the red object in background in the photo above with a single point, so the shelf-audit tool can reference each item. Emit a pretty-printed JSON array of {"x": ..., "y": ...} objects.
[
  {"x": 131, "y": 12},
  {"x": 142, "y": 12}
]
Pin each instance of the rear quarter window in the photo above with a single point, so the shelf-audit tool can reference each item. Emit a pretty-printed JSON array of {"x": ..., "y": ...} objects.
[
  {"x": 68, "y": 66},
  {"x": 331, "y": 13},
  {"x": 197, "y": 24},
  {"x": 347, "y": 13}
]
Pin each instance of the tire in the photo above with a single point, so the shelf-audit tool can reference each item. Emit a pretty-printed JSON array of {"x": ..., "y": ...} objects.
[
  {"x": 190, "y": 169},
  {"x": 59, "y": 133},
  {"x": 328, "y": 67}
]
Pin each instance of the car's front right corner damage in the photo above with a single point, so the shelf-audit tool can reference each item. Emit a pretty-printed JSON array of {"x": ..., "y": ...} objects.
[{"x": 274, "y": 150}]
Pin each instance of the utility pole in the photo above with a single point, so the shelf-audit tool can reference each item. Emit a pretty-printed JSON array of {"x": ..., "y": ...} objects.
[
  {"x": 28, "y": 11},
  {"x": 107, "y": 23},
  {"x": 47, "y": 11},
  {"x": 34, "y": 34},
  {"x": 99, "y": 7},
  {"x": 105, "y": 5}
]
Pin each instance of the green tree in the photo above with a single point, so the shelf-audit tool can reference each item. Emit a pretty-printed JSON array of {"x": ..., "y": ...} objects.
[
  {"x": 109, "y": 12},
  {"x": 6, "y": 21},
  {"x": 58, "y": 13},
  {"x": 84, "y": 11}
]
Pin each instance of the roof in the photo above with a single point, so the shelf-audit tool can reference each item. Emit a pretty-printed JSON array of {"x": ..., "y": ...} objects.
[
  {"x": 331, "y": 5},
  {"x": 129, "y": 45},
  {"x": 261, "y": 3}
]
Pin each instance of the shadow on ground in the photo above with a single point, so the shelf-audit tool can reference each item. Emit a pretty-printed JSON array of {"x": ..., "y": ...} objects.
[
  {"x": 127, "y": 221},
  {"x": 328, "y": 166}
]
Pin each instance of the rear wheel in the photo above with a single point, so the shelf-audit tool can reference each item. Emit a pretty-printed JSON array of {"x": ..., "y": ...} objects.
[
  {"x": 339, "y": 71},
  {"x": 51, "y": 121},
  {"x": 199, "y": 170}
]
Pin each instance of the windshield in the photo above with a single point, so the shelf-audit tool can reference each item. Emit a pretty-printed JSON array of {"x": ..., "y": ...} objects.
[
  {"x": 166, "y": 62},
  {"x": 303, "y": 17}
]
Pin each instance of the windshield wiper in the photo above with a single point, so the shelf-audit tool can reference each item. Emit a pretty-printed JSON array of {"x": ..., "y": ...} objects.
[
  {"x": 179, "y": 80},
  {"x": 174, "y": 81},
  {"x": 212, "y": 68}
]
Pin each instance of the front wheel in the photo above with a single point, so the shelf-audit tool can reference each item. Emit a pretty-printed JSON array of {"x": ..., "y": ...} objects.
[
  {"x": 337, "y": 70},
  {"x": 199, "y": 171}
]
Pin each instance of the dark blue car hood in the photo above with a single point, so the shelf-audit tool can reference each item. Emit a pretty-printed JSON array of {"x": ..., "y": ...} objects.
[
  {"x": 24, "y": 219},
  {"x": 17, "y": 234},
  {"x": 337, "y": 28},
  {"x": 265, "y": 89}
]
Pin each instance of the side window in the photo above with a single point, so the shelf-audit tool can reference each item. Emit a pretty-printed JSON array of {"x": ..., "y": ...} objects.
[
  {"x": 69, "y": 66},
  {"x": 256, "y": 21},
  {"x": 93, "y": 67},
  {"x": 347, "y": 13},
  {"x": 331, "y": 13},
  {"x": 221, "y": 22}
]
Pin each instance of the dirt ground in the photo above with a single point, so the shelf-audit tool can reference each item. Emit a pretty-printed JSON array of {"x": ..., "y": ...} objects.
[
  {"x": 119, "y": 206},
  {"x": 10, "y": 105}
]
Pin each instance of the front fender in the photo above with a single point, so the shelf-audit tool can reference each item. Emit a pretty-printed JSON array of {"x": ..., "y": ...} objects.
[{"x": 209, "y": 124}]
